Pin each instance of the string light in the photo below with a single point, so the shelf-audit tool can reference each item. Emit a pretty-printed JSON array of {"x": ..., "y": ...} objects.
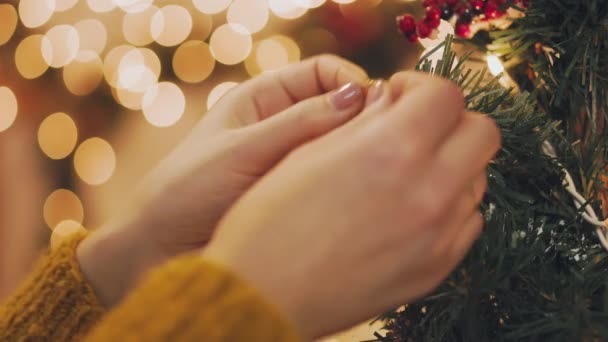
[{"x": 494, "y": 65}]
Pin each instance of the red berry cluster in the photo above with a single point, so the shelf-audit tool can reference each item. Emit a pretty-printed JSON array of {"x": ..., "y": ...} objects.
[{"x": 464, "y": 12}]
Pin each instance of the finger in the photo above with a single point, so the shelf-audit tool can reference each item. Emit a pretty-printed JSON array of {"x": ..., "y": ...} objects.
[
  {"x": 426, "y": 113},
  {"x": 467, "y": 151},
  {"x": 273, "y": 92},
  {"x": 404, "y": 81},
  {"x": 467, "y": 202},
  {"x": 273, "y": 138},
  {"x": 464, "y": 241}
]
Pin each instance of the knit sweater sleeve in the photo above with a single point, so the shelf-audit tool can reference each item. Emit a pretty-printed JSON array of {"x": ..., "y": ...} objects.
[
  {"x": 54, "y": 303},
  {"x": 190, "y": 299}
]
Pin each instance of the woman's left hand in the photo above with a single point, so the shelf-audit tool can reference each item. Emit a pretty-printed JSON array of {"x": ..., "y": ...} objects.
[{"x": 179, "y": 204}]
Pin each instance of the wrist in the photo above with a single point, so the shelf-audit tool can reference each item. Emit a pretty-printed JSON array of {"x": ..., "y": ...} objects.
[{"x": 113, "y": 259}]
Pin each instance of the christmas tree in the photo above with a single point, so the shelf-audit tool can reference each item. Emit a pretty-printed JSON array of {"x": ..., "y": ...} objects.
[{"x": 539, "y": 272}]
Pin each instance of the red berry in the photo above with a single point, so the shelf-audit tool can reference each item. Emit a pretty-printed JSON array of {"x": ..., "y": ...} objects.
[
  {"x": 492, "y": 11},
  {"x": 407, "y": 24},
  {"x": 432, "y": 23},
  {"x": 423, "y": 29},
  {"x": 463, "y": 30},
  {"x": 477, "y": 5},
  {"x": 433, "y": 12},
  {"x": 451, "y": 2},
  {"x": 412, "y": 37},
  {"x": 427, "y": 3}
]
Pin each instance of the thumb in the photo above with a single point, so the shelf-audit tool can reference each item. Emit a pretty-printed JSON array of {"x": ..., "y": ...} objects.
[{"x": 273, "y": 138}]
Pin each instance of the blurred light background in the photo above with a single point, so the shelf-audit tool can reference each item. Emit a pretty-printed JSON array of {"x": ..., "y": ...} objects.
[{"x": 94, "y": 92}]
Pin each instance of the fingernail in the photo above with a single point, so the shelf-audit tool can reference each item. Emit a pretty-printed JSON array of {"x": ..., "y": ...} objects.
[
  {"x": 375, "y": 92},
  {"x": 346, "y": 96}
]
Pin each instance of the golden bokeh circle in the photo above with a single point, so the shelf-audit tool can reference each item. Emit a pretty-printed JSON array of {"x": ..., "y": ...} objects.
[
  {"x": 8, "y": 22},
  {"x": 193, "y": 61},
  {"x": 95, "y": 161},
  {"x": 84, "y": 74},
  {"x": 57, "y": 135},
  {"x": 62, "y": 205},
  {"x": 8, "y": 108}
]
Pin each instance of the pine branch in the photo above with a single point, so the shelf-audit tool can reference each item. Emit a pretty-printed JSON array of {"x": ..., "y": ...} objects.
[{"x": 537, "y": 273}]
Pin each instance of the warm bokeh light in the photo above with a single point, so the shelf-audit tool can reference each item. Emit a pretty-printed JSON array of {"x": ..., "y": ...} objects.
[
  {"x": 84, "y": 74},
  {"x": 211, "y": 6},
  {"x": 251, "y": 14},
  {"x": 134, "y": 6},
  {"x": 95, "y": 161},
  {"x": 60, "y": 45},
  {"x": 8, "y": 22},
  {"x": 57, "y": 135},
  {"x": 202, "y": 25},
  {"x": 136, "y": 26},
  {"x": 128, "y": 98},
  {"x": 64, "y": 230},
  {"x": 271, "y": 54},
  {"x": 230, "y": 44},
  {"x": 138, "y": 70},
  {"x": 219, "y": 91},
  {"x": 101, "y": 6},
  {"x": 287, "y": 9},
  {"x": 164, "y": 104},
  {"x": 344, "y": 1},
  {"x": 171, "y": 25},
  {"x": 92, "y": 35},
  {"x": 35, "y": 13},
  {"x": 495, "y": 65},
  {"x": 8, "y": 108},
  {"x": 193, "y": 61},
  {"x": 64, "y": 5},
  {"x": 28, "y": 57},
  {"x": 62, "y": 205},
  {"x": 310, "y": 3},
  {"x": 112, "y": 62}
]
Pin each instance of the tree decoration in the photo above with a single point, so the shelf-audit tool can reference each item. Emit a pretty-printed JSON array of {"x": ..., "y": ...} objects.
[{"x": 539, "y": 272}]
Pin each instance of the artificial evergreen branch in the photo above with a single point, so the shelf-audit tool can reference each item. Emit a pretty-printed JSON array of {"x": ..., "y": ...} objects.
[{"x": 537, "y": 273}]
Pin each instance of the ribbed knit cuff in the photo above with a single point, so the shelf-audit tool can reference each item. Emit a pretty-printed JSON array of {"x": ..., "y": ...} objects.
[
  {"x": 189, "y": 299},
  {"x": 54, "y": 303}
]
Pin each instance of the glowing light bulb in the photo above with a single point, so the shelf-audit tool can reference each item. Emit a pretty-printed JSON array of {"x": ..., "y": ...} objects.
[{"x": 495, "y": 65}]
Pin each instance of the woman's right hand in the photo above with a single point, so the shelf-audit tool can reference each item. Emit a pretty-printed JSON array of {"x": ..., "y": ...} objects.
[{"x": 373, "y": 215}]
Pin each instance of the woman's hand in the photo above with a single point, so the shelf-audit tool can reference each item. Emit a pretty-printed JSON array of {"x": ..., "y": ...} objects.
[
  {"x": 250, "y": 129},
  {"x": 371, "y": 216}
]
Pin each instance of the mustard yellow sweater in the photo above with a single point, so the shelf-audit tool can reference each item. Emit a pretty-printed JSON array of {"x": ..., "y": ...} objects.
[{"x": 187, "y": 299}]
